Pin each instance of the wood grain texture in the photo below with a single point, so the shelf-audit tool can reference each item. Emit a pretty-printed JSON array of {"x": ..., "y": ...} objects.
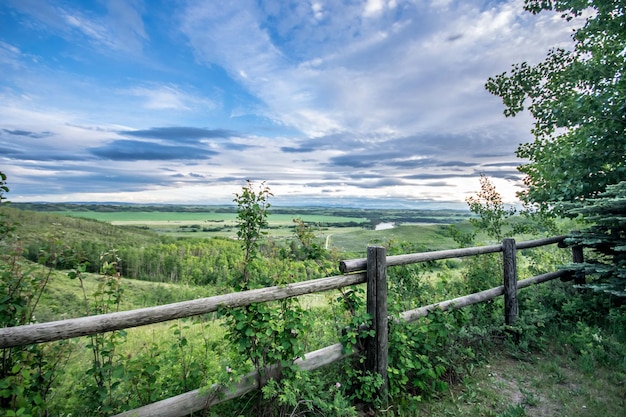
[
  {"x": 67, "y": 329},
  {"x": 509, "y": 262},
  {"x": 479, "y": 297},
  {"x": 353, "y": 265}
]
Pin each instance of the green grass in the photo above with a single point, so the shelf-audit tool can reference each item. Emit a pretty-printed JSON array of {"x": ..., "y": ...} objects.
[
  {"x": 557, "y": 381},
  {"x": 35, "y": 226},
  {"x": 547, "y": 384},
  {"x": 64, "y": 298},
  {"x": 355, "y": 241},
  {"x": 210, "y": 224},
  {"x": 347, "y": 239}
]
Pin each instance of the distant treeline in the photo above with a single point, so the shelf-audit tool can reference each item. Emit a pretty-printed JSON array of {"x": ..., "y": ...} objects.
[
  {"x": 113, "y": 208},
  {"x": 374, "y": 216},
  {"x": 65, "y": 242}
]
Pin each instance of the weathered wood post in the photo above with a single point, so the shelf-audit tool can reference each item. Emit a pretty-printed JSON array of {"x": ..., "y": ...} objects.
[
  {"x": 377, "y": 346},
  {"x": 511, "y": 309},
  {"x": 578, "y": 258}
]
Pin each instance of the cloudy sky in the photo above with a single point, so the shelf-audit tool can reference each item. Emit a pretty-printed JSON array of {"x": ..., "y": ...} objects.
[{"x": 325, "y": 100}]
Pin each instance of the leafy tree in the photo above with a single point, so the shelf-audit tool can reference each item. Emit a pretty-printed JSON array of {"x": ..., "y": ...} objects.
[
  {"x": 252, "y": 212},
  {"x": 5, "y": 226},
  {"x": 492, "y": 218},
  {"x": 265, "y": 333},
  {"x": 310, "y": 247},
  {"x": 492, "y": 214},
  {"x": 578, "y": 100}
]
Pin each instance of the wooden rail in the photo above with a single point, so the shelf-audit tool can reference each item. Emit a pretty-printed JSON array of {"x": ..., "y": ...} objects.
[
  {"x": 413, "y": 258},
  {"x": 478, "y": 297},
  {"x": 84, "y": 326},
  {"x": 184, "y": 404},
  {"x": 375, "y": 267},
  {"x": 200, "y": 399}
]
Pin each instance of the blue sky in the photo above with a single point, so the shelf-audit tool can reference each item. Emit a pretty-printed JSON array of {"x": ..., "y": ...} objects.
[{"x": 337, "y": 101}]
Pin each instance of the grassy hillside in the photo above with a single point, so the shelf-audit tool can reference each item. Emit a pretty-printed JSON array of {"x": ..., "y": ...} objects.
[
  {"x": 38, "y": 226},
  {"x": 64, "y": 297},
  {"x": 426, "y": 237}
]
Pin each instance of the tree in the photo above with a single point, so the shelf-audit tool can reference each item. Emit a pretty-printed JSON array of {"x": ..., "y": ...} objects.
[
  {"x": 264, "y": 333},
  {"x": 606, "y": 237},
  {"x": 5, "y": 226},
  {"x": 578, "y": 100},
  {"x": 493, "y": 216},
  {"x": 252, "y": 212},
  {"x": 310, "y": 247}
]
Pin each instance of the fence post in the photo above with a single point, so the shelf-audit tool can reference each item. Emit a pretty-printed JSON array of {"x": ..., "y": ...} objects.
[
  {"x": 378, "y": 345},
  {"x": 578, "y": 258},
  {"x": 511, "y": 309}
]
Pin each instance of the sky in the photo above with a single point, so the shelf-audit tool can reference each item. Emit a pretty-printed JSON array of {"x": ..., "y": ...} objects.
[{"x": 356, "y": 103}]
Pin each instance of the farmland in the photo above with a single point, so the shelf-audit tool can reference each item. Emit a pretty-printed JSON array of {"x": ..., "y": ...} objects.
[{"x": 345, "y": 229}]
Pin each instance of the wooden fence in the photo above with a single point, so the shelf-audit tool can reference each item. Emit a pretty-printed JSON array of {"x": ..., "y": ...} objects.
[{"x": 371, "y": 270}]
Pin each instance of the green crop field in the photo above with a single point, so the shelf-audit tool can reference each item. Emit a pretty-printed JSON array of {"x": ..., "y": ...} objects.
[
  {"x": 122, "y": 218},
  {"x": 344, "y": 229}
]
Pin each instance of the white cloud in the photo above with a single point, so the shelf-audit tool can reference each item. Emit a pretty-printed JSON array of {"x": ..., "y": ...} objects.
[
  {"x": 164, "y": 97},
  {"x": 10, "y": 56},
  {"x": 373, "y": 7},
  {"x": 121, "y": 29},
  {"x": 373, "y": 91},
  {"x": 318, "y": 10},
  {"x": 387, "y": 77}
]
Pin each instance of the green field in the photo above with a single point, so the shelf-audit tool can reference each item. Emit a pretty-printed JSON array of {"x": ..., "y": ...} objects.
[
  {"x": 347, "y": 230},
  {"x": 122, "y": 218}
]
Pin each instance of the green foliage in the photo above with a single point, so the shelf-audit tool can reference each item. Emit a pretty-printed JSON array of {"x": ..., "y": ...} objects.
[
  {"x": 5, "y": 226},
  {"x": 309, "y": 246},
  {"x": 427, "y": 356},
  {"x": 577, "y": 99},
  {"x": 491, "y": 217},
  {"x": 307, "y": 393},
  {"x": 266, "y": 334},
  {"x": 484, "y": 271},
  {"x": 606, "y": 236},
  {"x": 106, "y": 370},
  {"x": 492, "y": 214},
  {"x": 364, "y": 385},
  {"x": 252, "y": 212},
  {"x": 408, "y": 286},
  {"x": 358, "y": 323},
  {"x": 26, "y": 373},
  {"x": 212, "y": 262}
]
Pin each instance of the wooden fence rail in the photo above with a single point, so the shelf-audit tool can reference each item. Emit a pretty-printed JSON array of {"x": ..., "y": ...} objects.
[
  {"x": 413, "y": 258},
  {"x": 374, "y": 267},
  {"x": 189, "y": 402},
  {"x": 200, "y": 399},
  {"x": 85, "y": 326}
]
